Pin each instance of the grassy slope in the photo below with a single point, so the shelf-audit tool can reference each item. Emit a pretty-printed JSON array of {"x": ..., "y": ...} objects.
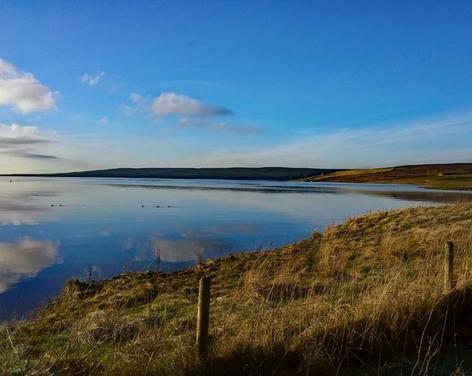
[
  {"x": 440, "y": 176},
  {"x": 362, "y": 295}
]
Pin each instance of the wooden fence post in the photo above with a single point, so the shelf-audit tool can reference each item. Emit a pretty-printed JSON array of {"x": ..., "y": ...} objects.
[
  {"x": 449, "y": 267},
  {"x": 203, "y": 317}
]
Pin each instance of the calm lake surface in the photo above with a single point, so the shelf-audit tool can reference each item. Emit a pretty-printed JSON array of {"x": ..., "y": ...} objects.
[{"x": 54, "y": 229}]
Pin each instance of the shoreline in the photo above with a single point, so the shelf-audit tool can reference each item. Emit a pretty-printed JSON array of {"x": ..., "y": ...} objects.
[
  {"x": 416, "y": 183},
  {"x": 274, "y": 301},
  {"x": 463, "y": 186},
  {"x": 446, "y": 176}
]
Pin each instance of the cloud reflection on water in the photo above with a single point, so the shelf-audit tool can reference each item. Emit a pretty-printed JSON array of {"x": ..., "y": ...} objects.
[
  {"x": 401, "y": 192},
  {"x": 20, "y": 205},
  {"x": 190, "y": 245},
  {"x": 188, "y": 249},
  {"x": 123, "y": 224},
  {"x": 181, "y": 249},
  {"x": 25, "y": 258}
]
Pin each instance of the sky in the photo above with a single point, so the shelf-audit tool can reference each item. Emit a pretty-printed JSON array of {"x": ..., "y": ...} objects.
[{"x": 339, "y": 84}]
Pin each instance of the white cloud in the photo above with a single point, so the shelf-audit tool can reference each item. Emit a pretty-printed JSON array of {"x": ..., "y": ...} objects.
[
  {"x": 90, "y": 80},
  {"x": 138, "y": 104},
  {"x": 22, "y": 91},
  {"x": 103, "y": 120},
  {"x": 190, "y": 112},
  {"x": 127, "y": 109},
  {"x": 25, "y": 258},
  {"x": 177, "y": 104},
  {"x": 135, "y": 97}
]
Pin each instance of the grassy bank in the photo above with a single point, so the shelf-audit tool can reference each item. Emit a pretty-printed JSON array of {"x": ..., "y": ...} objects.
[
  {"x": 365, "y": 296},
  {"x": 439, "y": 176}
]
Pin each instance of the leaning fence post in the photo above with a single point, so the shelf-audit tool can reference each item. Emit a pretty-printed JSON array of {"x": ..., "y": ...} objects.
[
  {"x": 203, "y": 317},
  {"x": 448, "y": 267}
]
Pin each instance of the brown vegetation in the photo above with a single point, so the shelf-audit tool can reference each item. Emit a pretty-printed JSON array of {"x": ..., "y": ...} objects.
[
  {"x": 440, "y": 176},
  {"x": 361, "y": 297}
]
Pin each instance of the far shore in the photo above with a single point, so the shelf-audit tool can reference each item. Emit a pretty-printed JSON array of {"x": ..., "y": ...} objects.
[{"x": 447, "y": 176}]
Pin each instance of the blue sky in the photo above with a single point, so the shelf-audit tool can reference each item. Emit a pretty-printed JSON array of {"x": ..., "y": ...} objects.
[{"x": 94, "y": 84}]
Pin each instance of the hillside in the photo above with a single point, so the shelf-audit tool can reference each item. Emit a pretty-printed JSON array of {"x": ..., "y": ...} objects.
[
  {"x": 238, "y": 173},
  {"x": 439, "y": 176},
  {"x": 365, "y": 296}
]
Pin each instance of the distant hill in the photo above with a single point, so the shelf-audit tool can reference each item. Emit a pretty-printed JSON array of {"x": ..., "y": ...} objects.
[
  {"x": 441, "y": 176},
  {"x": 239, "y": 173}
]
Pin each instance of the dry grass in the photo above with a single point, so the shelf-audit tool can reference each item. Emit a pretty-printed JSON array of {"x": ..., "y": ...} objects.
[
  {"x": 359, "y": 297},
  {"x": 439, "y": 176}
]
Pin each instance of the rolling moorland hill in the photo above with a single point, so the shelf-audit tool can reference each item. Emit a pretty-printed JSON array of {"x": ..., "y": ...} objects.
[
  {"x": 439, "y": 176},
  {"x": 365, "y": 297},
  {"x": 238, "y": 173}
]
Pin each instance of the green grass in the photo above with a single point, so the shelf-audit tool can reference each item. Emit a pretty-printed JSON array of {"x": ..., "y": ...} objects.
[{"x": 365, "y": 296}]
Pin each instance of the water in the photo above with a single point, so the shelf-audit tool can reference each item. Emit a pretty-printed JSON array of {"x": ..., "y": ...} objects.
[{"x": 54, "y": 229}]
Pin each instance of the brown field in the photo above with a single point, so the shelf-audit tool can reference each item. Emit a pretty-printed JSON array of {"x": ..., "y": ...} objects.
[
  {"x": 437, "y": 176},
  {"x": 365, "y": 297}
]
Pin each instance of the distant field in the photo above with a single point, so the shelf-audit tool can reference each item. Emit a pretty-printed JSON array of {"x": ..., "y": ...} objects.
[{"x": 437, "y": 176}]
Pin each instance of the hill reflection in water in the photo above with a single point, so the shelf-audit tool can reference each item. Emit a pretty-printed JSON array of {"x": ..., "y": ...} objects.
[{"x": 54, "y": 229}]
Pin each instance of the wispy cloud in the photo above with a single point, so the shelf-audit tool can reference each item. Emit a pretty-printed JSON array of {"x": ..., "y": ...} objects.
[
  {"x": 218, "y": 126},
  {"x": 103, "y": 120},
  {"x": 169, "y": 103},
  {"x": 92, "y": 80},
  {"x": 21, "y": 141},
  {"x": 137, "y": 103},
  {"x": 135, "y": 97},
  {"x": 381, "y": 145},
  {"x": 26, "y": 154},
  {"x": 22, "y": 91}
]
